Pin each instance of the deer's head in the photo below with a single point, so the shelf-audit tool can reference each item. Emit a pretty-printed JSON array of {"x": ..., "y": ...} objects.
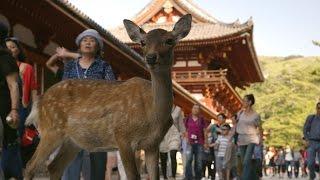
[{"x": 158, "y": 44}]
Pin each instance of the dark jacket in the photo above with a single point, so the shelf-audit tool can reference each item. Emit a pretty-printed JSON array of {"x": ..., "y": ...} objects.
[{"x": 311, "y": 129}]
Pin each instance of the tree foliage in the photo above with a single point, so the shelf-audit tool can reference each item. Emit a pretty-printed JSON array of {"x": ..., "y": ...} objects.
[{"x": 289, "y": 93}]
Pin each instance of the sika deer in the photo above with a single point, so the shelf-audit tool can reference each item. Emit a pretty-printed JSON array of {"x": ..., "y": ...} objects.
[{"x": 98, "y": 116}]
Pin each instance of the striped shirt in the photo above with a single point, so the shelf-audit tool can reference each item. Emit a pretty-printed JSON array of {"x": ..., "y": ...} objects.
[{"x": 223, "y": 142}]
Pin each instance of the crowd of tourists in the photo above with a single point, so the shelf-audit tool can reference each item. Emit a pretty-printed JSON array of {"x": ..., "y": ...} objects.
[
  {"x": 230, "y": 148},
  {"x": 285, "y": 162}
]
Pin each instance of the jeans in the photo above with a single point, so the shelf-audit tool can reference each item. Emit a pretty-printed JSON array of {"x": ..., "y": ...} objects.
[
  {"x": 1, "y": 133},
  {"x": 257, "y": 165},
  {"x": 289, "y": 165},
  {"x": 248, "y": 171},
  {"x": 11, "y": 162},
  {"x": 313, "y": 149},
  {"x": 184, "y": 146},
  {"x": 98, "y": 162},
  {"x": 92, "y": 165},
  {"x": 23, "y": 114},
  {"x": 196, "y": 151},
  {"x": 1, "y": 172},
  {"x": 73, "y": 170}
]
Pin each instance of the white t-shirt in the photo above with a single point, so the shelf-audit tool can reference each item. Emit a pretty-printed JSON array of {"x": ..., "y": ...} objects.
[{"x": 288, "y": 156}]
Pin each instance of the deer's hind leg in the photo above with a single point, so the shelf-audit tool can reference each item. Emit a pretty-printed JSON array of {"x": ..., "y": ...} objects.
[
  {"x": 66, "y": 154},
  {"x": 48, "y": 143}
]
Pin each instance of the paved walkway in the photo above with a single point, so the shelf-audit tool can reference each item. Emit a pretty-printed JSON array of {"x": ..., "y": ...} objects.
[
  {"x": 265, "y": 178},
  {"x": 274, "y": 178}
]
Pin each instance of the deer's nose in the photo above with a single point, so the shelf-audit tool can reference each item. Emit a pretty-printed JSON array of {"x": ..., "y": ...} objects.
[{"x": 151, "y": 58}]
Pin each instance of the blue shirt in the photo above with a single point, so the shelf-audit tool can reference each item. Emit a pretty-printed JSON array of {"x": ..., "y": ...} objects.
[{"x": 99, "y": 69}]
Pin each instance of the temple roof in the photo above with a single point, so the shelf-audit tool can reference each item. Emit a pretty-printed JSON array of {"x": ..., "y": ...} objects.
[
  {"x": 184, "y": 6},
  {"x": 199, "y": 31},
  {"x": 204, "y": 26}
]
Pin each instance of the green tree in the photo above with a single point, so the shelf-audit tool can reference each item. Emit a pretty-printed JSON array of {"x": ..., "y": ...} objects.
[{"x": 288, "y": 95}]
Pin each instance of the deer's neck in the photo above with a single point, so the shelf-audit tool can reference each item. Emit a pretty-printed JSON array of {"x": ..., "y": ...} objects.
[{"x": 162, "y": 93}]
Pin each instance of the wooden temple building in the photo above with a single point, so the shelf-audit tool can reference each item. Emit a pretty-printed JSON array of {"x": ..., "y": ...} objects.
[
  {"x": 43, "y": 25},
  {"x": 215, "y": 57}
]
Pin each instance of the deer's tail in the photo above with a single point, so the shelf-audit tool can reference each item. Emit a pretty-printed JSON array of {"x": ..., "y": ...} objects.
[{"x": 33, "y": 117}]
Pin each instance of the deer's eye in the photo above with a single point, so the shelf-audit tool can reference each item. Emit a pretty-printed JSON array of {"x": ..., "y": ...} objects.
[
  {"x": 143, "y": 43},
  {"x": 170, "y": 42}
]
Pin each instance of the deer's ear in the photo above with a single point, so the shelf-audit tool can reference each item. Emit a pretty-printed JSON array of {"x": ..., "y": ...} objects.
[
  {"x": 134, "y": 31},
  {"x": 182, "y": 27}
]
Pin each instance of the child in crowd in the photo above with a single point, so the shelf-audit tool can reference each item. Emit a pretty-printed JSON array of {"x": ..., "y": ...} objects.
[{"x": 224, "y": 152}]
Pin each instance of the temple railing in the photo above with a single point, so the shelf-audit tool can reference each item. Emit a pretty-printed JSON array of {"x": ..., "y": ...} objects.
[{"x": 200, "y": 77}]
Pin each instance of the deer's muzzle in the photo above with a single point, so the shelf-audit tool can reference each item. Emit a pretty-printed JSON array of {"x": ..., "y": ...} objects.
[{"x": 151, "y": 58}]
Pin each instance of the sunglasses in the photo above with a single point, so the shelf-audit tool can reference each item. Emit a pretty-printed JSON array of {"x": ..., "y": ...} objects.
[{"x": 224, "y": 129}]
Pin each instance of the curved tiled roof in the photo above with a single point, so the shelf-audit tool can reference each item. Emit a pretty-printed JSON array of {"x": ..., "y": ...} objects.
[
  {"x": 186, "y": 5},
  {"x": 205, "y": 27},
  {"x": 199, "y": 31}
]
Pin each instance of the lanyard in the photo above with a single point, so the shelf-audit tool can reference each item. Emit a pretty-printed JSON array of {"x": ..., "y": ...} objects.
[{"x": 85, "y": 72}]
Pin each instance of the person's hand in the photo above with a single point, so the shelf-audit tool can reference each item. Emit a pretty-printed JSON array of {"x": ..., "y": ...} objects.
[
  {"x": 182, "y": 135},
  {"x": 206, "y": 146},
  {"x": 14, "y": 121},
  {"x": 62, "y": 52},
  {"x": 25, "y": 105}
]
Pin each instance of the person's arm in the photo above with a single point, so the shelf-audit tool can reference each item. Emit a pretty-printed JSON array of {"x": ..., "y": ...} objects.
[
  {"x": 305, "y": 128},
  {"x": 208, "y": 129},
  {"x": 52, "y": 63},
  {"x": 34, "y": 95},
  {"x": 29, "y": 85},
  {"x": 180, "y": 123},
  {"x": 14, "y": 95},
  {"x": 217, "y": 142},
  {"x": 232, "y": 133},
  {"x": 259, "y": 126},
  {"x": 34, "y": 86},
  {"x": 61, "y": 54}
]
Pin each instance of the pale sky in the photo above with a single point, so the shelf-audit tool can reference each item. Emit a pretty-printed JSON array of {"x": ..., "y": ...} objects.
[{"x": 281, "y": 27}]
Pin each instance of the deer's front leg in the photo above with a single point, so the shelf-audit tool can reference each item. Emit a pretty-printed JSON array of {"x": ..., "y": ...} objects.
[
  {"x": 128, "y": 159},
  {"x": 152, "y": 160},
  {"x": 66, "y": 154},
  {"x": 48, "y": 143}
]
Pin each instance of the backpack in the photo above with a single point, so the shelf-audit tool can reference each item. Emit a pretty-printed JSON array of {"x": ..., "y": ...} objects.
[{"x": 30, "y": 137}]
